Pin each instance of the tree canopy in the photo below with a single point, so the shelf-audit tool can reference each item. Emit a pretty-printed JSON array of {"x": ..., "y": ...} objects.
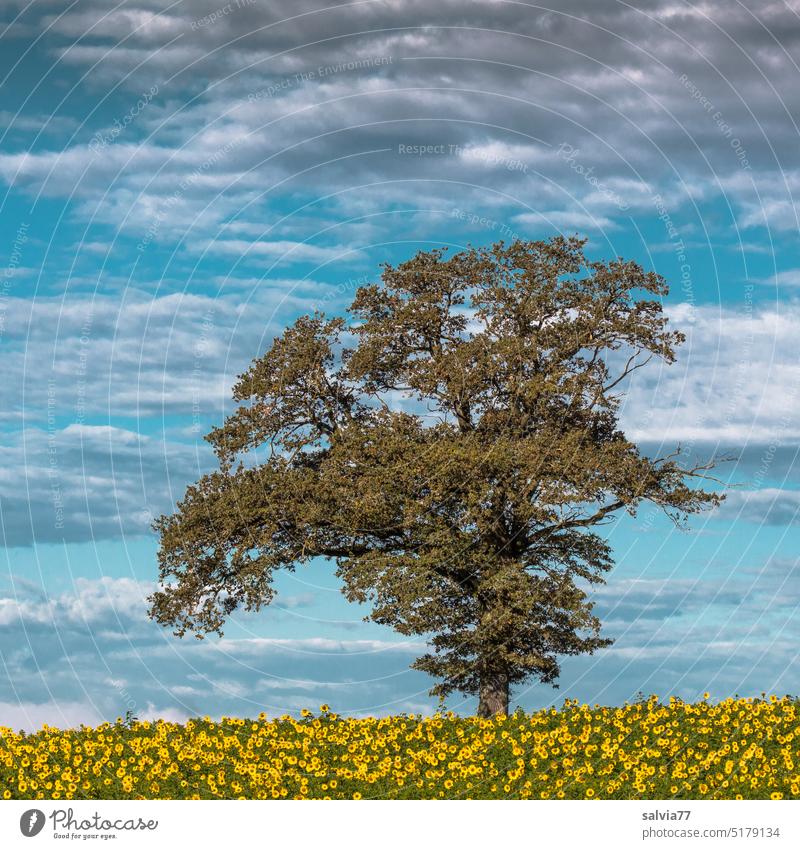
[{"x": 453, "y": 446}]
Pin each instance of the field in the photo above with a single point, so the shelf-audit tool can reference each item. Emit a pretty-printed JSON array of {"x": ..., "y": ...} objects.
[{"x": 737, "y": 748}]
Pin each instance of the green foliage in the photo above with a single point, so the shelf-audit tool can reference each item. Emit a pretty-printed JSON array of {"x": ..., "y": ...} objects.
[{"x": 467, "y": 516}]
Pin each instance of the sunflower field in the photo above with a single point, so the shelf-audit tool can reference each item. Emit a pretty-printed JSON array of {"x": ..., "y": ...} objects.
[{"x": 734, "y": 749}]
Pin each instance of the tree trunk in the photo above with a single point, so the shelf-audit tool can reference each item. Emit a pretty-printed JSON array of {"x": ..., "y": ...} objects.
[{"x": 493, "y": 698}]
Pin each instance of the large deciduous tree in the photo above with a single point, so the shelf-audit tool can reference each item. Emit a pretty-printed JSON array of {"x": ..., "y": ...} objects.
[{"x": 450, "y": 447}]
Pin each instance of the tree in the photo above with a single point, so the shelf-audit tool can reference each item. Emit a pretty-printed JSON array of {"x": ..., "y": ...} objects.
[{"x": 453, "y": 460}]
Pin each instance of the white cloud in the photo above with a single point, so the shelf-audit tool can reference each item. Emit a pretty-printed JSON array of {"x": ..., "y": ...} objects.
[
  {"x": 788, "y": 279},
  {"x": 96, "y": 640},
  {"x": 118, "y": 23},
  {"x": 673, "y": 636},
  {"x": 92, "y": 603},
  {"x": 250, "y": 129},
  {"x": 31, "y": 716},
  {"x": 567, "y": 221},
  {"x": 768, "y": 506},
  {"x": 85, "y": 483},
  {"x": 736, "y": 381},
  {"x": 284, "y": 251},
  {"x": 620, "y": 100}
]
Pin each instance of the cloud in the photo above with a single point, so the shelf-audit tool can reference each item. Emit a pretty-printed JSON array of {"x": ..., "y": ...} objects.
[
  {"x": 769, "y": 506},
  {"x": 727, "y": 632},
  {"x": 644, "y": 599},
  {"x": 88, "y": 653},
  {"x": 87, "y": 483},
  {"x": 735, "y": 383},
  {"x": 294, "y": 602},
  {"x": 48, "y": 123},
  {"x": 134, "y": 353},
  {"x": 283, "y": 251},
  {"x": 655, "y": 91},
  {"x": 68, "y": 476},
  {"x": 783, "y": 280},
  {"x": 119, "y": 23},
  {"x": 31, "y": 716},
  {"x": 567, "y": 222},
  {"x": 263, "y": 148}
]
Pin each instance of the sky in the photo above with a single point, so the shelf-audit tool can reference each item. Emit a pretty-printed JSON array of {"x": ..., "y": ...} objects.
[{"x": 179, "y": 181}]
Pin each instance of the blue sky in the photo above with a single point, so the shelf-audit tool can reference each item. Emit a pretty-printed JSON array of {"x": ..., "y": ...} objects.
[{"x": 180, "y": 181}]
